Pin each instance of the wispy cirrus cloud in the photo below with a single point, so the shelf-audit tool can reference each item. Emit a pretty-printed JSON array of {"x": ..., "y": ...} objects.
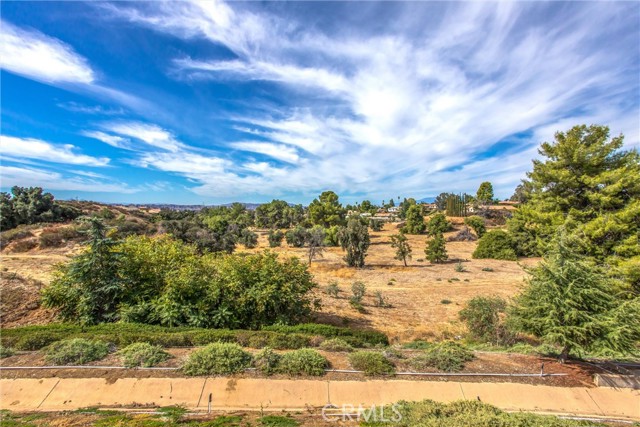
[
  {"x": 30, "y": 149},
  {"x": 37, "y": 56},
  {"x": 150, "y": 134},
  {"x": 405, "y": 107}
]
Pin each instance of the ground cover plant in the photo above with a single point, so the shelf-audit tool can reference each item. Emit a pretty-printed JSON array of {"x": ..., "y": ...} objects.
[
  {"x": 217, "y": 359},
  {"x": 76, "y": 351},
  {"x": 142, "y": 354},
  {"x": 371, "y": 363}
]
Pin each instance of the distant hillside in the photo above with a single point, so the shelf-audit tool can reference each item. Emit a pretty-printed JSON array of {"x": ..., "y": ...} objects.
[{"x": 249, "y": 206}]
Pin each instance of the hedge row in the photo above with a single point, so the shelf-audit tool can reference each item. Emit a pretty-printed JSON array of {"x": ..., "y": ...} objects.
[{"x": 123, "y": 334}]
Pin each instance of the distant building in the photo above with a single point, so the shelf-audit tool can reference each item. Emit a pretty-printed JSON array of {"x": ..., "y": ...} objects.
[{"x": 394, "y": 209}]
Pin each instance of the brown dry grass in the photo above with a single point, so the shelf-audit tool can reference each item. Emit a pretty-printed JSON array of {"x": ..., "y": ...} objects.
[{"x": 415, "y": 292}]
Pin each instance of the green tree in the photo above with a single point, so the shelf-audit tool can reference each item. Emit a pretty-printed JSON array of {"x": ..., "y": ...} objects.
[
  {"x": 484, "y": 195},
  {"x": 89, "y": 288},
  {"x": 441, "y": 200},
  {"x": 495, "y": 244},
  {"x": 403, "y": 251},
  {"x": 367, "y": 206},
  {"x": 477, "y": 224},
  {"x": 354, "y": 239},
  {"x": 438, "y": 224},
  {"x": 315, "y": 243},
  {"x": 405, "y": 205},
  {"x": 297, "y": 236},
  {"x": 522, "y": 192},
  {"x": 436, "y": 250},
  {"x": 275, "y": 238},
  {"x": 568, "y": 301},
  {"x": 414, "y": 220},
  {"x": 326, "y": 210}
]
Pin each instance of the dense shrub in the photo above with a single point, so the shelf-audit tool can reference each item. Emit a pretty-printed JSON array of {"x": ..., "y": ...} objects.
[
  {"x": 446, "y": 356},
  {"x": 24, "y": 245},
  {"x": 354, "y": 239},
  {"x": 142, "y": 354},
  {"x": 51, "y": 238},
  {"x": 76, "y": 351},
  {"x": 371, "y": 363},
  {"x": 305, "y": 361},
  {"x": 414, "y": 221},
  {"x": 31, "y": 205},
  {"x": 495, "y": 245},
  {"x": 6, "y": 351},
  {"x": 482, "y": 317},
  {"x": 438, "y": 224},
  {"x": 331, "y": 236},
  {"x": 297, "y": 236},
  {"x": 376, "y": 224},
  {"x": 358, "y": 289},
  {"x": 248, "y": 238},
  {"x": 436, "y": 249},
  {"x": 477, "y": 224},
  {"x": 217, "y": 359},
  {"x": 266, "y": 361},
  {"x": 159, "y": 280},
  {"x": 275, "y": 238},
  {"x": 336, "y": 344},
  {"x": 19, "y": 233}
]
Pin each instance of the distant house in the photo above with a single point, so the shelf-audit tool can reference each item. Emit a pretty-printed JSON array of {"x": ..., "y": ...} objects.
[
  {"x": 429, "y": 206},
  {"x": 394, "y": 209}
]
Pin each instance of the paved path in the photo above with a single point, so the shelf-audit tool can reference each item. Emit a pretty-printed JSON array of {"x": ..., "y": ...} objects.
[{"x": 52, "y": 394}]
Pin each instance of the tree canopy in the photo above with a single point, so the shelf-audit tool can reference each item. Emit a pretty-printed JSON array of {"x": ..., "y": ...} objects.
[{"x": 326, "y": 210}]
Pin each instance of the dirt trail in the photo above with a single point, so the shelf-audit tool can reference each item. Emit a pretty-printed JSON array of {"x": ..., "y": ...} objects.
[{"x": 54, "y": 394}]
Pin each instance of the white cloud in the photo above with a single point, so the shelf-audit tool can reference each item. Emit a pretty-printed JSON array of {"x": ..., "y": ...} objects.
[
  {"x": 36, "y": 149},
  {"x": 31, "y": 177},
  {"x": 40, "y": 57},
  {"x": 113, "y": 140},
  {"x": 416, "y": 109},
  {"x": 150, "y": 134},
  {"x": 277, "y": 151}
]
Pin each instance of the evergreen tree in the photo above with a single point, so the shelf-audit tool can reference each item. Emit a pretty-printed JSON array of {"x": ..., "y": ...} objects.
[
  {"x": 569, "y": 302},
  {"x": 484, "y": 195},
  {"x": 354, "y": 239},
  {"x": 436, "y": 250},
  {"x": 414, "y": 220},
  {"x": 326, "y": 210},
  {"x": 438, "y": 224},
  {"x": 401, "y": 245}
]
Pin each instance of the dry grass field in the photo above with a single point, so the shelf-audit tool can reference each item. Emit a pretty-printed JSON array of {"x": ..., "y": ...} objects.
[{"x": 415, "y": 293}]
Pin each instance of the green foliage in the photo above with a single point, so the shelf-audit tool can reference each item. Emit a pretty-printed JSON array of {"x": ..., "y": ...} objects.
[
  {"x": 569, "y": 301},
  {"x": 590, "y": 181},
  {"x": 477, "y": 224},
  {"x": 336, "y": 344},
  {"x": 326, "y": 210},
  {"x": 217, "y": 359},
  {"x": 333, "y": 289},
  {"x": 6, "y": 351},
  {"x": 248, "y": 238},
  {"x": 484, "y": 195},
  {"x": 468, "y": 413},
  {"x": 89, "y": 288},
  {"x": 142, "y": 354},
  {"x": 159, "y": 280},
  {"x": 436, "y": 250},
  {"x": 331, "y": 236},
  {"x": 278, "y": 214},
  {"x": 438, "y": 224},
  {"x": 495, "y": 245},
  {"x": 447, "y": 356},
  {"x": 371, "y": 363},
  {"x": 354, "y": 239},
  {"x": 357, "y": 338},
  {"x": 297, "y": 236},
  {"x": 266, "y": 361},
  {"x": 456, "y": 204},
  {"x": 76, "y": 351},
  {"x": 380, "y": 301},
  {"x": 522, "y": 192},
  {"x": 414, "y": 220},
  {"x": 275, "y": 238},
  {"x": 315, "y": 242},
  {"x": 482, "y": 317},
  {"x": 30, "y": 205},
  {"x": 305, "y": 361},
  {"x": 403, "y": 251},
  {"x": 459, "y": 268},
  {"x": 376, "y": 224},
  {"x": 358, "y": 289},
  {"x": 277, "y": 421}
]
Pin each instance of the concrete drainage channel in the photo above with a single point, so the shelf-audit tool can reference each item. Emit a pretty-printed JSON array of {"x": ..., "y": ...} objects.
[{"x": 227, "y": 394}]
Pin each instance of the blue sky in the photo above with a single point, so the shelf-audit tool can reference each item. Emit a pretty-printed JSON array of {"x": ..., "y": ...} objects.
[{"x": 213, "y": 102}]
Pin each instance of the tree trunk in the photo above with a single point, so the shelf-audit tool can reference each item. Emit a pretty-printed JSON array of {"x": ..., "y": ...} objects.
[
  {"x": 564, "y": 355},
  {"x": 405, "y": 261}
]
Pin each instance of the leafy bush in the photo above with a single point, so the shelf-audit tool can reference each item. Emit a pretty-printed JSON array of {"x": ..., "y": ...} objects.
[
  {"x": 482, "y": 317},
  {"x": 358, "y": 289},
  {"x": 217, "y": 359},
  {"x": 29, "y": 205},
  {"x": 331, "y": 236},
  {"x": 446, "y": 356},
  {"x": 332, "y": 289},
  {"x": 76, "y": 351},
  {"x": 477, "y": 224},
  {"x": 142, "y": 354},
  {"x": 275, "y": 238},
  {"x": 296, "y": 237},
  {"x": 159, "y": 280},
  {"x": 336, "y": 344},
  {"x": 459, "y": 267},
  {"x": 266, "y": 361},
  {"x": 305, "y": 361},
  {"x": 6, "y": 351},
  {"x": 438, "y": 224},
  {"x": 376, "y": 224},
  {"x": 248, "y": 238},
  {"x": 21, "y": 232},
  {"x": 379, "y": 300},
  {"x": 414, "y": 221},
  {"x": 495, "y": 245},
  {"x": 371, "y": 363}
]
